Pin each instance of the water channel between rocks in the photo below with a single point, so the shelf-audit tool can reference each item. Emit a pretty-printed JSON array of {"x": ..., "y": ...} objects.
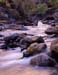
[{"x": 10, "y": 62}]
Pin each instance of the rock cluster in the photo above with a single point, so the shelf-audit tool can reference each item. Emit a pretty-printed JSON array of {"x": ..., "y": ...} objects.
[{"x": 22, "y": 40}]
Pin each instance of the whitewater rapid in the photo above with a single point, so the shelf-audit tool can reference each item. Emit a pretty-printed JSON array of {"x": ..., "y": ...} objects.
[{"x": 14, "y": 57}]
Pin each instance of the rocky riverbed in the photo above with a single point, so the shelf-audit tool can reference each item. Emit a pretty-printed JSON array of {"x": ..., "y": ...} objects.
[{"x": 27, "y": 61}]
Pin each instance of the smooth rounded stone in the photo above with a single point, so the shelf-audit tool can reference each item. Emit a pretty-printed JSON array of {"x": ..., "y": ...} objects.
[
  {"x": 54, "y": 49},
  {"x": 35, "y": 48},
  {"x": 54, "y": 73},
  {"x": 42, "y": 60},
  {"x": 52, "y": 30}
]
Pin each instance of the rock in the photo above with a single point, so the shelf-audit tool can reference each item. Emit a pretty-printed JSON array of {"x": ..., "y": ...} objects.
[
  {"x": 54, "y": 49},
  {"x": 11, "y": 41},
  {"x": 14, "y": 40},
  {"x": 1, "y": 35},
  {"x": 4, "y": 47},
  {"x": 35, "y": 48},
  {"x": 48, "y": 20},
  {"x": 38, "y": 39},
  {"x": 26, "y": 41},
  {"x": 42, "y": 60},
  {"x": 26, "y": 54},
  {"x": 54, "y": 73},
  {"x": 22, "y": 40},
  {"x": 52, "y": 30}
]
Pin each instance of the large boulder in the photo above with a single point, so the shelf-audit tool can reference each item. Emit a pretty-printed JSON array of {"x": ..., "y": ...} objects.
[
  {"x": 35, "y": 48},
  {"x": 13, "y": 40},
  {"x": 52, "y": 30},
  {"x": 54, "y": 49},
  {"x": 42, "y": 60}
]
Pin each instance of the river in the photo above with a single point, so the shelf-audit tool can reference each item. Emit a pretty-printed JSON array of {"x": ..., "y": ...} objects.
[{"x": 10, "y": 62}]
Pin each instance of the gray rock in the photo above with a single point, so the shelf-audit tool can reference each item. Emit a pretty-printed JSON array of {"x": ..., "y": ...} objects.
[{"x": 42, "y": 60}]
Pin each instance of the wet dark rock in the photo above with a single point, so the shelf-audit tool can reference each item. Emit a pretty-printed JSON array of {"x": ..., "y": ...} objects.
[
  {"x": 22, "y": 40},
  {"x": 34, "y": 49},
  {"x": 26, "y": 54},
  {"x": 48, "y": 20},
  {"x": 4, "y": 47},
  {"x": 1, "y": 35},
  {"x": 42, "y": 60},
  {"x": 14, "y": 40},
  {"x": 52, "y": 30},
  {"x": 11, "y": 41},
  {"x": 54, "y": 49}
]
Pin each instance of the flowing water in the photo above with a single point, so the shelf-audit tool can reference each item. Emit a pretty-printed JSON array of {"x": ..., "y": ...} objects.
[{"x": 11, "y": 62}]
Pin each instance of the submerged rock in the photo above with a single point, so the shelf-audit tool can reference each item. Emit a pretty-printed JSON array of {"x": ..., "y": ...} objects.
[
  {"x": 54, "y": 49},
  {"x": 35, "y": 48},
  {"x": 42, "y": 60}
]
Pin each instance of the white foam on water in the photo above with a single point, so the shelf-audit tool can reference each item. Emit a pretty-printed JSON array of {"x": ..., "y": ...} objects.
[
  {"x": 11, "y": 56},
  {"x": 5, "y": 64},
  {"x": 15, "y": 57}
]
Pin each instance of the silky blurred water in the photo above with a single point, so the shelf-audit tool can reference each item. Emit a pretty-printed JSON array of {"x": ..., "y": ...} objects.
[{"x": 13, "y": 57}]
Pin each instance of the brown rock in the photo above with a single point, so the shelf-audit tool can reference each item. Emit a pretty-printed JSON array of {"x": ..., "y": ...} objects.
[
  {"x": 54, "y": 49},
  {"x": 35, "y": 48}
]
